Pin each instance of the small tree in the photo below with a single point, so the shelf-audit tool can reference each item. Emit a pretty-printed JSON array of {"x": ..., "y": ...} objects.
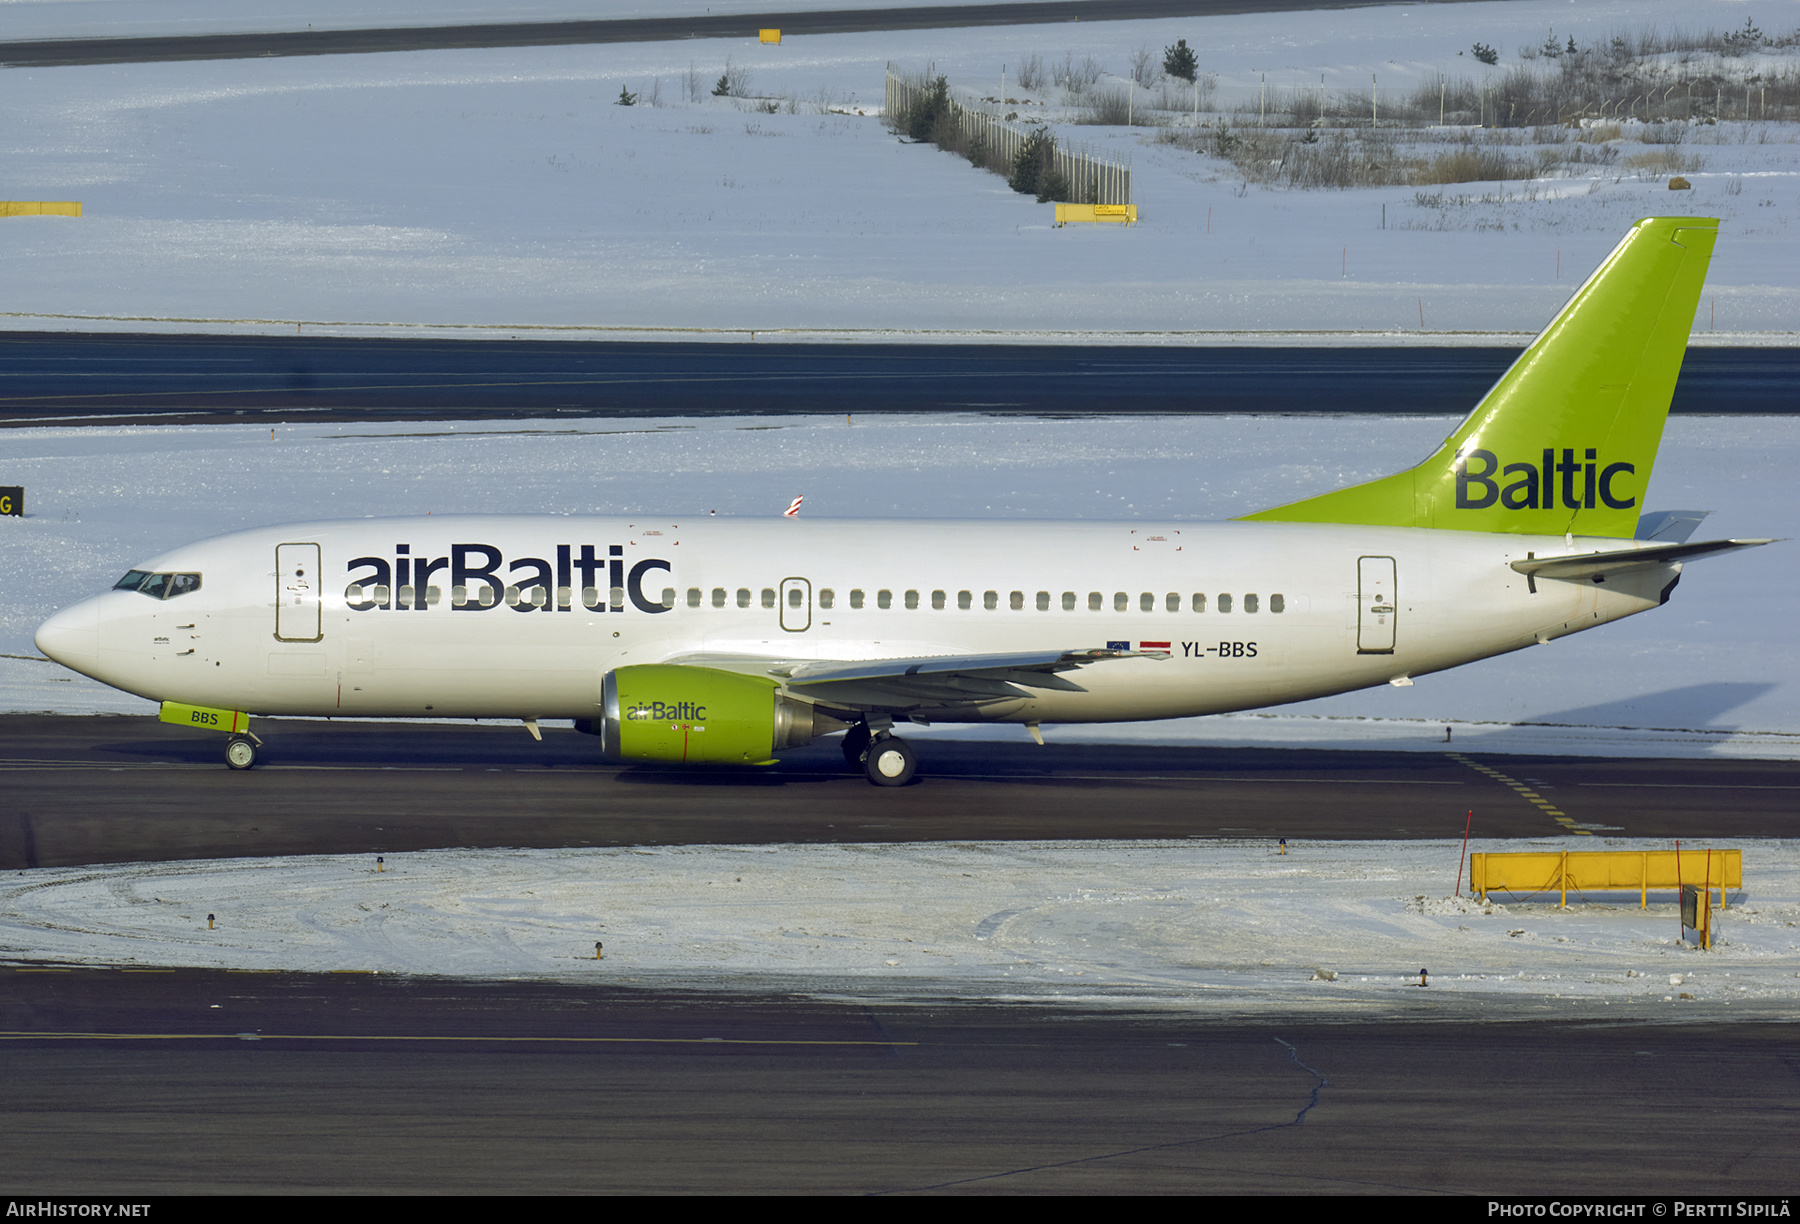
[
  {"x": 1034, "y": 165},
  {"x": 927, "y": 109},
  {"x": 1179, "y": 61},
  {"x": 734, "y": 82},
  {"x": 1486, "y": 54},
  {"x": 626, "y": 97}
]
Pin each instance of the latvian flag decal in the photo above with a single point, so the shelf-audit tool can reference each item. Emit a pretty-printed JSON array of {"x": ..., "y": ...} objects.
[{"x": 1153, "y": 645}]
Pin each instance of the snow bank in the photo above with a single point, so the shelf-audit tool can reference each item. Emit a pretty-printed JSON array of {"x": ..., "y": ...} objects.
[{"x": 1198, "y": 923}]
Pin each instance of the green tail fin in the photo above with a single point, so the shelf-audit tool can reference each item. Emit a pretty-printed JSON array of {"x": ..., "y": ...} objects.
[{"x": 1565, "y": 441}]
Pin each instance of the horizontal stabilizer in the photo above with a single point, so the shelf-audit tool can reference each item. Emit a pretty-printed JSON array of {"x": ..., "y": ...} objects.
[{"x": 1596, "y": 565}]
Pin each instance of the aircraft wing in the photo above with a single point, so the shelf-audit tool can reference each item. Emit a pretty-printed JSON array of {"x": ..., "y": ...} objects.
[
  {"x": 1617, "y": 560},
  {"x": 926, "y": 681}
]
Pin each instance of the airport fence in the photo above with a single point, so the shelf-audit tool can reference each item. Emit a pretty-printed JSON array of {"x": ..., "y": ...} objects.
[{"x": 1093, "y": 178}]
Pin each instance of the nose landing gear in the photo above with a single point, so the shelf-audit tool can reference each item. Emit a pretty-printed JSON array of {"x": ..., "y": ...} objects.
[{"x": 240, "y": 751}]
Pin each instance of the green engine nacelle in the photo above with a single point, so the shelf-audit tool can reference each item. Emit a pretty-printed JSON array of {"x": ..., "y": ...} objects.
[{"x": 700, "y": 716}]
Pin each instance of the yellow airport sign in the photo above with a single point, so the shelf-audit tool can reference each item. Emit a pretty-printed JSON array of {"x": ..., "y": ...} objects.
[
  {"x": 40, "y": 208},
  {"x": 1605, "y": 871},
  {"x": 1097, "y": 214},
  {"x": 770, "y": 36}
]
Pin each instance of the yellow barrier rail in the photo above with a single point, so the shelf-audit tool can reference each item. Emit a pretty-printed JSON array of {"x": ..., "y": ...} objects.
[
  {"x": 1605, "y": 871},
  {"x": 1097, "y": 214},
  {"x": 40, "y": 208}
]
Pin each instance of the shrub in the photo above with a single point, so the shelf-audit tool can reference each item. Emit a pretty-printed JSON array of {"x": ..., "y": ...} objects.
[
  {"x": 1486, "y": 54},
  {"x": 626, "y": 97}
]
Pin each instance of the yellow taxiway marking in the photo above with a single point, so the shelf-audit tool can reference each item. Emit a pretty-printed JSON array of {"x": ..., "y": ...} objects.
[{"x": 1524, "y": 792}]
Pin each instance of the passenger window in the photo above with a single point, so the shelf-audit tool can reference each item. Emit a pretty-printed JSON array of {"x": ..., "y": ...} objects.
[
  {"x": 1250, "y": 603},
  {"x": 434, "y": 594},
  {"x": 1121, "y": 601},
  {"x": 1224, "y": 603},
  {"x": 1277, "y": 604},
  {"x": 1174, "y": 603},
  {"x": 856, "y": 598},
  {"x": 617, "y": 597},
  {"x": 768, "y": 598},
  {"x": 1094, "y": 601},
  {"x": 1068, "y": 601},
  {"x": 1199, "y": 603},
  {"x": 1043, "y": 601},
  {"x": 718, "y": 597},
  {"x": 1018, "y": 601},
  {"x": 668, "y": 599},
  {"x": 937, "y": 601},
  {"x": 795, "y": 597},
  {"x": 1147, "y": 602},
  {"x": 991, "y": 600},
  {"x": 827, "y": 597},
  {"x": 964, "y": 601},
  {"x": 693, "y": 597},
  {"x": 743, "y": 597},
  {"x": 912, "y": 599},
  {"x": 884, "y": 599}
]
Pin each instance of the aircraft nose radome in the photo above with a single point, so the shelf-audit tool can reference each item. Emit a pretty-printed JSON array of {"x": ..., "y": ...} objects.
[{"x": 72, "y": 636}]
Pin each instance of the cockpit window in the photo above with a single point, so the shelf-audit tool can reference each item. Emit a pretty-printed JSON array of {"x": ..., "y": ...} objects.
[{"x": 158, "y": 586}]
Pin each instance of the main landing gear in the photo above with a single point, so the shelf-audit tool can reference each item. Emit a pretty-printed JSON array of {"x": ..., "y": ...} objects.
[{"x": 884, "y": 758}]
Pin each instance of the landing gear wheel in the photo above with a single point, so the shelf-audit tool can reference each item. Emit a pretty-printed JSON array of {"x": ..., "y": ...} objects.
[
  {"x": 856, "y": 745},
  {"x": 890, "y": 762},
  {"x": 240, "y": 753}
]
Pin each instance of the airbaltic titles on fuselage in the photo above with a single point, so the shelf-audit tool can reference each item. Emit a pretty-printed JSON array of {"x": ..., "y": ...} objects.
[{"x": 404, "y": 584}]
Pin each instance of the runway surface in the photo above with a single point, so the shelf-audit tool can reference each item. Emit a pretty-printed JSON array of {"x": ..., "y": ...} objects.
[
  {"x": 120, "y": 789},
  {"x": 61, "y": 52},
  {"x": 205, "y": 1082},
  {"x": 74, "y": 378}
]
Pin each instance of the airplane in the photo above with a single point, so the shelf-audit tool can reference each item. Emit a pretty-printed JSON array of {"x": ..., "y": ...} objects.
[{"x": 722, "y": 642}]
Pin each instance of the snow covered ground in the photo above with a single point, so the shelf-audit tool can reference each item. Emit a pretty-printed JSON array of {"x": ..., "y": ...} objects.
[
  {"x": 1215, "y": 926},
  {"x": 1716, "y": 671},
  {"x": 500, "y": 192}
]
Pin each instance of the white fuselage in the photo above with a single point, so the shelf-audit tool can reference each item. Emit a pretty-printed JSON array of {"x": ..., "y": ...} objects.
[{"x": 356, "y": 632}]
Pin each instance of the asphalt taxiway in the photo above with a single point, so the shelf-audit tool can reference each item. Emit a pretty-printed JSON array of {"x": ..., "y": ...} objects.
[
  {"x": 121, "y": 789},
  {"x": 202, "y": 1082},
  {"x": 112, "y": 379}
]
